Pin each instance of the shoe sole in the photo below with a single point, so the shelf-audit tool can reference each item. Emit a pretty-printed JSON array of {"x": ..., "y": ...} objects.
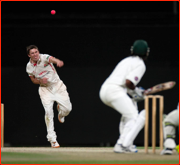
[
  {"x": 166, "y": 154},
  {"x": 59, "y": 118},
  {"x": 56, "y": 147},
  {"x": 127, "y": 151},
  {"x": 119, "y": 152}
]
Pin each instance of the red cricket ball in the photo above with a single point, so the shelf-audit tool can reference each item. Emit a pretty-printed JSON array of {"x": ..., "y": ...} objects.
[{"x": 53, "y": 12}]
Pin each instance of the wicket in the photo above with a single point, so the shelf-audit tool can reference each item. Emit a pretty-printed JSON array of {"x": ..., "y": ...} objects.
[
  {"x": 161, "y": 108},
  {"x": 2, "y": 125}
]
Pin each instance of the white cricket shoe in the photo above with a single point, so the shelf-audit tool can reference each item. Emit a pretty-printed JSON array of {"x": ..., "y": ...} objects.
[
  {"x": 167, "y": 151},
  {"x": 60, "y": 117},
  {"x": 118, "y": 148},
  {"x": 132, "y": 148},
  {"x": 55, "y": 144}
]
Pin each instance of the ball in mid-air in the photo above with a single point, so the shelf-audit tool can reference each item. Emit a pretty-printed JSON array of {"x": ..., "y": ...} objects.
[{"x": 53, "y": 12}]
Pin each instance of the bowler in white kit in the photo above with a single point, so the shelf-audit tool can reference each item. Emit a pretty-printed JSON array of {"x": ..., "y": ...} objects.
[
  {"x": 114, "y": 93},
  {"x": 52, "y": 89}
]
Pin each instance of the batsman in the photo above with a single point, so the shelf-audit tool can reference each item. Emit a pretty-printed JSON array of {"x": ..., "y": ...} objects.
[{"x": 114, "y": 93}]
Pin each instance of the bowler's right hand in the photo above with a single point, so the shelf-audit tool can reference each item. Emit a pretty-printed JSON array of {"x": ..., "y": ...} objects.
[{"x": 44, "y": 80}]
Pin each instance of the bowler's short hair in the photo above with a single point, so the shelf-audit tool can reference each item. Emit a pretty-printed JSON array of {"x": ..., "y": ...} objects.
[{"x": 28, "y": 48}]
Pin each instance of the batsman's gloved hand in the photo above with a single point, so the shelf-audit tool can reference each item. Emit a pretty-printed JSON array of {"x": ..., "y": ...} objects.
[{"x": 137, "y": 94}]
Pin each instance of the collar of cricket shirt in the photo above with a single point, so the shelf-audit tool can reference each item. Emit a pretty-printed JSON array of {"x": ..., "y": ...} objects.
[
  {"x": 34, "y": 64},
  {"x": 39, "y": 60}
]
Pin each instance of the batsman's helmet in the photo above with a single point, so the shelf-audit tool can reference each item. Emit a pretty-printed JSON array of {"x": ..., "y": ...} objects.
[{"x": 140, "y": 47}]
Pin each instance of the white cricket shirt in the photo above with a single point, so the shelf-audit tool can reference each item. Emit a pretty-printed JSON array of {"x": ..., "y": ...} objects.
[
  {"x": 131, "y": 68},
  {"x": 42, "y": 69}
]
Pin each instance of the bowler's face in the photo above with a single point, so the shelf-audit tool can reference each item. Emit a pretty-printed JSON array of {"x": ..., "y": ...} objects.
[{"x": 34, "y": 55}]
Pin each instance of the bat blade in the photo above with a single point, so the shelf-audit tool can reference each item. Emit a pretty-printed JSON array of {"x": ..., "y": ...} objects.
[{"x": 160, "y": 87}]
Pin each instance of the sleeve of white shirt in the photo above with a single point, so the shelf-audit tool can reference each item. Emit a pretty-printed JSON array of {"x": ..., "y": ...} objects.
[
  {"x": 45, "y": 57},
  {"x": 136, "y": 75}
]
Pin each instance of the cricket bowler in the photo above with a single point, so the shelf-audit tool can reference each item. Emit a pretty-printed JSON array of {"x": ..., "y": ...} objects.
[{"x": 52, "y": 89}]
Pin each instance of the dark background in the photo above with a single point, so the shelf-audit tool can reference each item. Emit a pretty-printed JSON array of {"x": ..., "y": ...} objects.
[{"x": 91, "y": 38}]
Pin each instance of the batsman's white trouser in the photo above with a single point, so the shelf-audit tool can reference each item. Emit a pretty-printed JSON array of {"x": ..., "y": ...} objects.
[
  {"x": 48, "y": 96},
  {"x": 136, "y": 128},
  {"x": 170, "y": 123},
  {"x": 117, "y": 98}
]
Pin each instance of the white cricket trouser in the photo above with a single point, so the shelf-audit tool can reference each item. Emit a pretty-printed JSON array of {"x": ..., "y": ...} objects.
[
  {"x": 117, "y": 98},
  {"x": 49, "y": 95},
  {"x": 170, "y": 123},
  {"x": 173, "y": 117}
]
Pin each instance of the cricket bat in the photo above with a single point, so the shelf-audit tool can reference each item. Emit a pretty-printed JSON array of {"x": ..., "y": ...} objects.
[{"x": 160, "y": 87}]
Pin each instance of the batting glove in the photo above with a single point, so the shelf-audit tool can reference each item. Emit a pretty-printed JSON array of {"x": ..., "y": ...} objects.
[{"x": 137, "y": 94}]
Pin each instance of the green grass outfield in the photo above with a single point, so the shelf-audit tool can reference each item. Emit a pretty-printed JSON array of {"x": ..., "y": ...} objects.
[{"x": 74, "y": 155}]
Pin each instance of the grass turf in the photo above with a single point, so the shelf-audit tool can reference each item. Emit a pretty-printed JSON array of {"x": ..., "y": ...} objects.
[
  {"x": 91, "y": 162},
  {"x": 41, "y": 158}
]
